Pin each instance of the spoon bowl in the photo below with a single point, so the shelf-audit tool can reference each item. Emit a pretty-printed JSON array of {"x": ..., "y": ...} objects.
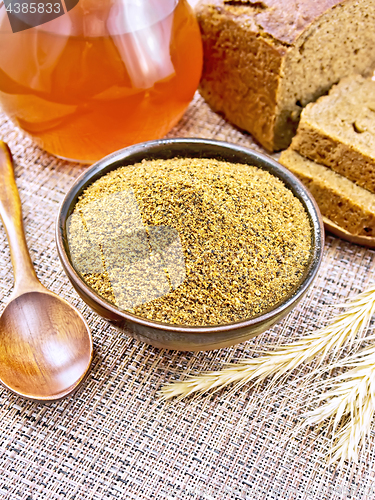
[
  {"x": 48, "y": 364},
  {"x": 45, "y": 343}
]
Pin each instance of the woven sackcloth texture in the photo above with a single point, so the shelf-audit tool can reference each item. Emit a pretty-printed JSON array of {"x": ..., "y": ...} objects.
[{"x": 113, "y": 439}]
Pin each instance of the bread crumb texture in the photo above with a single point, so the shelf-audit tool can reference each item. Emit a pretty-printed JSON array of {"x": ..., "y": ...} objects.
[
  {"x": 338, "y": 131},
  {"x": 340, "y": 200}
]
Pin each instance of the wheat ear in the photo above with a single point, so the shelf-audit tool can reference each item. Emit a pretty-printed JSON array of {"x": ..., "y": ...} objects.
[
  {"x": 341, "y": 332},
  {"x": 349, "y": 405}
]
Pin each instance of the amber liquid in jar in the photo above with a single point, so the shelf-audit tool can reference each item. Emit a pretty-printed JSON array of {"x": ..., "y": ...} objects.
[{"x": 103, "y": 76}]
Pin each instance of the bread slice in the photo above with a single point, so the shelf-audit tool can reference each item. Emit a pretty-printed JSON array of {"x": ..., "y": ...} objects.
[
  {"x": 339, "y": 131},
  {"x": 265, "y": 60},
  {"x": 339, "y": 199}
]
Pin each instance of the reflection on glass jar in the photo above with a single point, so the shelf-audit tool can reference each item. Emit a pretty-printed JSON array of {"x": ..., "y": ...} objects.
[{"x": 101, "y": 77}]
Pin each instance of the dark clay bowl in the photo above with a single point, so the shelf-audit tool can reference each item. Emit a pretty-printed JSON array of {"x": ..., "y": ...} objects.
[{"x": 184, "y": 337}]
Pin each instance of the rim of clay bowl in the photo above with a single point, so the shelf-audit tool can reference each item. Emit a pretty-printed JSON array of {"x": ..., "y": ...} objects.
[{"x": 198, "y": 148}]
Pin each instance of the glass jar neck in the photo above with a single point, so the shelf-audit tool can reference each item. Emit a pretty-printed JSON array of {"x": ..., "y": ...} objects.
[{"x": 91, "y": 18}]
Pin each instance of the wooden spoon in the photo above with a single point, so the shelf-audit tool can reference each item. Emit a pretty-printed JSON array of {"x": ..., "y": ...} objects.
[{"x": 45, "y": 343}]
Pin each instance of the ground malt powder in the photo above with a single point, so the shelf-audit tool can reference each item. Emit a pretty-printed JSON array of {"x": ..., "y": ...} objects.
[{"x": 190, "y": 241}]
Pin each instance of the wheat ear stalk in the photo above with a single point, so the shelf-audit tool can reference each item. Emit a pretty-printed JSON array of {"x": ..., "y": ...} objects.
[
  {"x": 342, "y": 331},
  {"x": 349, "y": 405}
]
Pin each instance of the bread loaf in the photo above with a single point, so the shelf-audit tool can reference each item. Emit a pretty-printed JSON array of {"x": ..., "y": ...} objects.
[
  {"x": 339, "y": 131},
  {"x": 342, "y": 201},
  {"x": 265, "y": 60}
]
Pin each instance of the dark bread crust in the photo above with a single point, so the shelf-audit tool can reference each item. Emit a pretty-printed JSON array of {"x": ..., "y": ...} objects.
[
  {"x": 283, "y": 20},
  {"x": 244, "y": 85}
]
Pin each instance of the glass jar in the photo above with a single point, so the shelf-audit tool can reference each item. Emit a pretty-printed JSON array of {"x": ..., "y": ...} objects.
[{"x": 100, "y": 76}]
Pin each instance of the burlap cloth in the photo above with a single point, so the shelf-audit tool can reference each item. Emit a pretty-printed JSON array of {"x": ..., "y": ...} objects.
[{"x": 113, "y": 440}]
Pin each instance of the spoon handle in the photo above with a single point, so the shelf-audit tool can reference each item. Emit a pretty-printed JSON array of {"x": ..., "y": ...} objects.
[{"x": 11, "y": 215}]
